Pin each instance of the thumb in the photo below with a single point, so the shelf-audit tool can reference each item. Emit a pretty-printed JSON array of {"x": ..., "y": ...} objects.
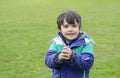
[{"x": 65, "y": 45}]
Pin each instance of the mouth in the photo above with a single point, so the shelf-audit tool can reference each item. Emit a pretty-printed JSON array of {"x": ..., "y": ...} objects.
[{"x": 70, "y": 34}]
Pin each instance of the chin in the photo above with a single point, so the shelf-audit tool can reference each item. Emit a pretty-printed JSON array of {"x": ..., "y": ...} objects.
[{"x": 71, "y": 39}]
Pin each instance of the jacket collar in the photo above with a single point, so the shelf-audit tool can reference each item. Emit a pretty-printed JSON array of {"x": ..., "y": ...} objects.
[{"x": 79, "y": 41}]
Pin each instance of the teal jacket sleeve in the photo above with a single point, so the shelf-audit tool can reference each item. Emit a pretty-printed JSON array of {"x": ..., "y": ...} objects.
[{"x": 84, "y": 60}]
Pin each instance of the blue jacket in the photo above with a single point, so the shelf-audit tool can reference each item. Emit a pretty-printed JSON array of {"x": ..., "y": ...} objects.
[{"x": 81, "y": 61}]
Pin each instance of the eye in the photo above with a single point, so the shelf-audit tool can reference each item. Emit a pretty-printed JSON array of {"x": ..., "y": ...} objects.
[
  {"x": 65, "y": 26},
  {"x": 74, "y": 26}
]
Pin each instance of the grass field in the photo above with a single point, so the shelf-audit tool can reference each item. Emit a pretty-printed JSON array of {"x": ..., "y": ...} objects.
[{"x": 27, "y": 26}]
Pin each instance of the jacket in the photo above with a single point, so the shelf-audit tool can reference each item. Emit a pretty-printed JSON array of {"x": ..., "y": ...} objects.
[{"x": 80, "y": 63}]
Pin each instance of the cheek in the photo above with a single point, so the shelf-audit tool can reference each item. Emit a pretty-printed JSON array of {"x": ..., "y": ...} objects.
[
  {"x": 63, "y": 30},
  {"x": 77, "y": 30}
]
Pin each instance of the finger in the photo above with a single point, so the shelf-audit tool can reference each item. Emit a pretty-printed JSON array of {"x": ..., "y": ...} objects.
[
  {"x": 66, "y": 57},
  {"x": 65, "y": 46},
  {"x": 67, "y": 50},
  {"x": 64, "y": 52},
  {"x": 63, "y": 56}
]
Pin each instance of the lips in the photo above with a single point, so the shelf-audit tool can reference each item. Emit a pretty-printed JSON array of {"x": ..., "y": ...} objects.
[{"x": 71, "y": 34}]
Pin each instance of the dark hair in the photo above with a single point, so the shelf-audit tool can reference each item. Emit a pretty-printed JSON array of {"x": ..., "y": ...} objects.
[{"x": 70, "y": 17}]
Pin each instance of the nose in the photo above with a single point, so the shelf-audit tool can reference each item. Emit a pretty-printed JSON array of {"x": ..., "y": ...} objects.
[{"x": 70, "y": 28}]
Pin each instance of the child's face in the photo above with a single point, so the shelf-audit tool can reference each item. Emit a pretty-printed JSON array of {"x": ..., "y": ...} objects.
[{"x": 70, "y": 31}]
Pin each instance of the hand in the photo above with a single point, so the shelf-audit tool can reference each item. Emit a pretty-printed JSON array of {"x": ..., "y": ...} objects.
[{"x": 66, "y": 53}]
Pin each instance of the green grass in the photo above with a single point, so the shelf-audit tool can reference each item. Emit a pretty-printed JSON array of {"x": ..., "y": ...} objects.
[{"x": 27, "y": 26}]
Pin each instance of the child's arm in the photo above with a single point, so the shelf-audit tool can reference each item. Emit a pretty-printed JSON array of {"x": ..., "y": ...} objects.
[
  {"x": 51, "y": 58},
  {"x": 85, "y": 60}
]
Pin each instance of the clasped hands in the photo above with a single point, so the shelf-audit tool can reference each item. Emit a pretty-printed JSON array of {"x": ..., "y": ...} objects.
[{"x": 66, "y": 53}]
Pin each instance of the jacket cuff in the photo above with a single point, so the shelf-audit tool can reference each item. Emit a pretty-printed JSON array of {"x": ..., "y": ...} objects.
[
  {"x": 56, "y": 59},
  {"x": 72, "y": 58}
]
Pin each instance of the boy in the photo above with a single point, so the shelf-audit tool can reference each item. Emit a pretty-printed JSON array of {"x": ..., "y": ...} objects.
[{"x": 70, "y": 54}]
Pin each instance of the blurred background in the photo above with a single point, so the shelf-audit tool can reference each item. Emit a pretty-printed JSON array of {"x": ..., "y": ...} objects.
[{"x": 27, "y": 26}]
